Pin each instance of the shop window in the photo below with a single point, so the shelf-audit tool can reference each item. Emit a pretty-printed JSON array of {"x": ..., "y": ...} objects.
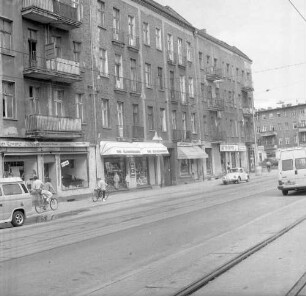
[
  {"x": 141, "y": 171},
  {"x": 115, "y": 166},
  {"x": 74, "y": 171},
  {"x": 185, "y": 167}
]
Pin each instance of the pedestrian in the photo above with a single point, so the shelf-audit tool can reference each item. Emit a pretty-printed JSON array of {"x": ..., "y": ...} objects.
[
  {"x": 268, "y": 166},
  {"x": 116, "y": 180},
  {"x": 48, "y": 186},
  {"x": 127, "y": 180},
  {"x": 102, "y": 187},
  {"x": 228, "y": 167}
]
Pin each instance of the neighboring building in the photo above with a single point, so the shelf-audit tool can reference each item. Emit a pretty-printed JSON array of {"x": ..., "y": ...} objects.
[
  {"x": 94, "y": 88},
  {"x": 281, "y": 127}
]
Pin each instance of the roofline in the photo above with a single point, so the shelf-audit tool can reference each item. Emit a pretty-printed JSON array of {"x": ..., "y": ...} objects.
[
  {"x": 233, "y": 49},
  {"x": 281, "y": 108}
]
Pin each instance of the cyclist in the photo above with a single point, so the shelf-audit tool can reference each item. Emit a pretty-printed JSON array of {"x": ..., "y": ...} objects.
[{"x": 101, "y": 188}]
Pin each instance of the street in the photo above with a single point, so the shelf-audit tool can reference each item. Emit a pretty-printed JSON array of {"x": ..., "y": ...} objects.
[{"x": 149, "y": 245}]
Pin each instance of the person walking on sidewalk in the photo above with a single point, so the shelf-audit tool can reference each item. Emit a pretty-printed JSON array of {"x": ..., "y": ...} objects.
[
  {"x": 116, "y": 180},
  {"x": 102, "y": 187}
]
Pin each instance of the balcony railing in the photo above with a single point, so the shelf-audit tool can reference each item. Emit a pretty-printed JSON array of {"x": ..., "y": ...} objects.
[
  {"x": 213, "y": 73},
  {"x": 268, "y": 134},
  {"x": 137, "y": 132},
  {"x": 215, "y": 104},
  {"x": 120, "y": 84},
  {"x": 55, "y": 69},
  {"x": 171, "y": 57},
  {"x": 247, "y": 85},
  {"x": 133, "y": 42},
  {"x": 182, "y": 61},
  {"x": 41, "y": 126},
  {"x": 135, "y": 87},
  {"x": 181, "y": 135},
  {"x": 59, "y": 13},
  {"x": 247, "y": 111},
  {"x": 118, "y": 37}
]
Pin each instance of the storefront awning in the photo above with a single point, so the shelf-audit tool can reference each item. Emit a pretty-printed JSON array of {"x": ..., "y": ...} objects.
[
  {"x": 148, "y": 148},
  {"x": 119, "y": 148},
  {"x": 190, "y": 152},
  {"x": 136, "y": 148}
]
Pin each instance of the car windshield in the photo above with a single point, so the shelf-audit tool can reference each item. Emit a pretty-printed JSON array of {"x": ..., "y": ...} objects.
[{"x": 234, "y": 170}]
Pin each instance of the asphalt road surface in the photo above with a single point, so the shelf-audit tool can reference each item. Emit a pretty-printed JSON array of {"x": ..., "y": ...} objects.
[{"x": 152, "y": 246}]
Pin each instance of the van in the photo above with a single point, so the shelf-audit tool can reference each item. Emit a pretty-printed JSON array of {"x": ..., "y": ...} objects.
[
  {"x": 15, "y": 201},
  {"x": 292, "y": 169}
]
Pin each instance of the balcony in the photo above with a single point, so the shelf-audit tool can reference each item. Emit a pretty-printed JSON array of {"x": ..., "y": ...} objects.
[
  {"x": 137, "y": 132},
  {"x": 133, "y": 43},
  {"x": 120, "y": 84},
  {"x": 247, "y": 111},
  {"x": 118, "y": 37},
  {"x": 247, "y": 86},
  {"x": 181, "y": 135},
  {"x": 54, "y": 69},
  {"x": 214, "y": 74},
  {"x": 268, "y": 134},
  {"x": 171, "y": 57},
  {"x": 58, "y": 13},
  {"x": 301, "y": 126},
  {"x": 135, "y": 88},
  {"x": 51, "y": 127},
  {"x": 214, "y": 104},
  {"x": 174, "y": 96},
  {"x": 182, "y": 61}
]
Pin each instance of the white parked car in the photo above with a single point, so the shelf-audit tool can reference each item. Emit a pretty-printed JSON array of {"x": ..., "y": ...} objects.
[{"x": 235, "y": 175}]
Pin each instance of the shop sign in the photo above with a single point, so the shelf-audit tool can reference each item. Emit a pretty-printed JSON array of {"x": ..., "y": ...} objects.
[
  {"x": 183, "y": 144},
  {"x": 241, "y": 148},
  {"x": 42, "y": 144},
  {"x": 127, "y": 151},
  {"x": 65, "y": 163},
  {"x": 228, "y": 148}
]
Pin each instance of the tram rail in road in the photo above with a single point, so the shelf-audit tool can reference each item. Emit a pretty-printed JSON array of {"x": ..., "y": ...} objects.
[{"x": 202, "y": 282}]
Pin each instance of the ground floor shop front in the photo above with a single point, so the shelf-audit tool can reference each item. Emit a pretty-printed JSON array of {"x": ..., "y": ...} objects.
[{"x": 68, "y": 166}]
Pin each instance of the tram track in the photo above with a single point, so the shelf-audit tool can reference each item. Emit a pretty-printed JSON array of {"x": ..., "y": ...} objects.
[{"x": 203, "y": 281}]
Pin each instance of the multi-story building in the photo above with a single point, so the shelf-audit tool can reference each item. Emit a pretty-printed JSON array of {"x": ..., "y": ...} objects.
[
  {"x": 94, "y": 88},
  {"x": 282, "y": 127}
]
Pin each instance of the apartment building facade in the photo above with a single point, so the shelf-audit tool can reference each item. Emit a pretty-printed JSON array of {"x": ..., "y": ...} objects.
[
  {"x": 278, "y": 128},
  {"x": 95, "y": 88}
]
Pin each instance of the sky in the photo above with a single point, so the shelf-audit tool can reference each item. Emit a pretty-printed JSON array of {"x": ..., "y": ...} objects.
[{"x": 270, "y": 32}]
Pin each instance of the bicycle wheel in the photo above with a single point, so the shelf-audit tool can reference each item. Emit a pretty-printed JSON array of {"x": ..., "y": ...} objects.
[
  {"x": 106, "y": 194},
  {"x": 53, "y": 203},
  {"x": 39, "y": 208},
  {"x": 95, "y": 196}
]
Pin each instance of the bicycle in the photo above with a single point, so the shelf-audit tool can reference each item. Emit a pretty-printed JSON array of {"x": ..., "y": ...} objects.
[
  {"x": 42, "y": 204},
  {"x": 97, "y": 194}
]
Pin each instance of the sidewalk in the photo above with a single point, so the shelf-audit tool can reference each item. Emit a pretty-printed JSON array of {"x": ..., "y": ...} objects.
[{"x": 77, "y": 203}]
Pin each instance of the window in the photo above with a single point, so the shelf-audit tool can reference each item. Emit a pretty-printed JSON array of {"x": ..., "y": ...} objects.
[
  {"x": 170, "y": 47},
  {"x": 58, "y": 45},
  {"x": 286, "y": 126},
  {"x": 173, "y": 119},
  {"x": 76, "y": 51},
  {"x": 180, "y": 50},
  {"x": 207, "y": 60},
  {"x": 116, "y": 23},
  {"x": 160, "y": 78},
  {"x": 133, "y": 71},
  {"x": 203, "y": 91},
  {"x": 105, "y": 113},
  {"x": 118, "y": 71},
  {"x": 300, "y": 163},
  {"x": 58, "y": 102},
  {"x": 172, "y": 80},
  {"x": 5, "y": 34},
  {"x": 163, "y": 124},
  {"x": 131, "y": 28},
  {"x": 201, "y": 60},
  {"x": 193, "y": 123},
  {"x": 158, "y": 38},
  {"x": 79, "y": 107},
  {"x": 34, "y": 95},
  {"x": 103, "y": 67},
  {"x": 32, "y": 41},
  {"x": 8, "y": 89},
  {"x": 287, "y": 141},
  {"x": 182, "y": 89},
  {"x": 270, "y": 115},
  {"x": 146, "y": 33},
  {"x": 11, "y": 189},
  {"x": 120, "y": 118},
  {"x": 150, "y": 118},
  {"x": 280, "y": 141},
  {"x": 148, "y": 75},
  {"x": 287, "y": 164},
  {"x": 189, "y": 54},
  {"x": 184, "y": 125},
  {"x": 190, "y": 87},
  {"x": 295, "y": 139},
  {"x": 135, "y": 115},
  {"x": 101, "y": 13},
  {"x": 215, "y": 63},
  {"x": 227, "y": 70}
]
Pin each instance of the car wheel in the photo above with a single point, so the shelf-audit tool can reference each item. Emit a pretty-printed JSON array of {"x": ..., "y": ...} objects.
[
  {"x": 224, "y": 183},
  {"x": 238, "y": 180},
  {"x": 247, "y": 179},
  {"x": 18, "y": 218},
  {"x": 285, "y": 192}
]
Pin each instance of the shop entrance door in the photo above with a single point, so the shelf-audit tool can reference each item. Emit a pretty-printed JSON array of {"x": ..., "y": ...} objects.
[
  {"x": 50, "y": 170},
  {"x": 167, "y": 171}
]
